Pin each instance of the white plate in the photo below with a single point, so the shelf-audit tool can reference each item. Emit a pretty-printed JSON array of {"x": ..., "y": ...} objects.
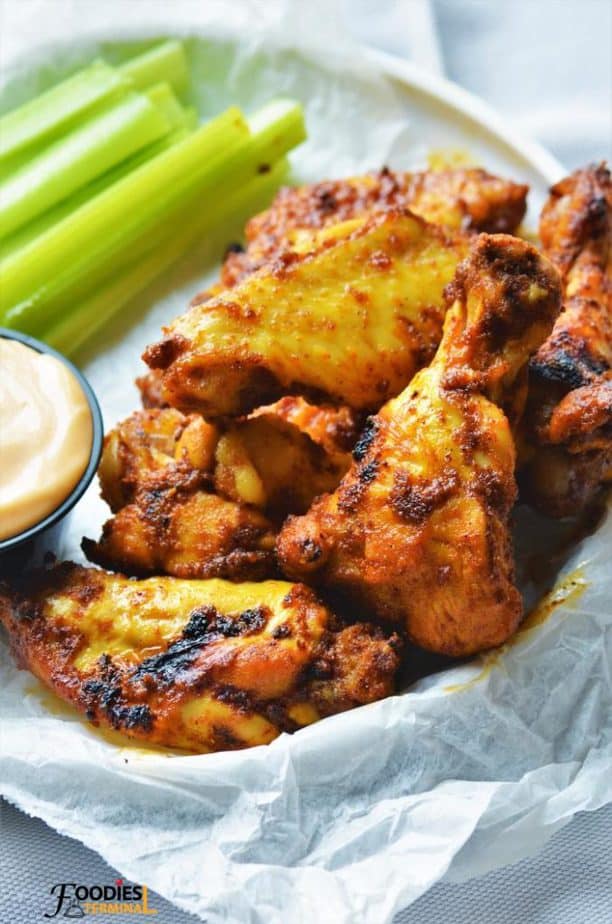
[{"x": 451, "y": 116}]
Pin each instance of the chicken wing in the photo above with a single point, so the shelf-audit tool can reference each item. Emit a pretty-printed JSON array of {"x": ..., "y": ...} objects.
[
  {"x": 417, "y": 533},
  {"x": 467, "y": 199},
  {"x": 335, "y": 429},
  {"x": 198, "y": 665},
  {"x": 149, "y": 442},
  {"x": 568, "y": 424},
  {"x": 350, "y": 322},
  {"x": 268, "y": 462},
  {"x": 156, "y": 474},
  {"x": 184, "y": 493}
]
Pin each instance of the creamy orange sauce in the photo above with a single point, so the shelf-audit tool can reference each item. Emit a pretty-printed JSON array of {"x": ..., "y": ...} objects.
[{"x": 46, "y": 434}]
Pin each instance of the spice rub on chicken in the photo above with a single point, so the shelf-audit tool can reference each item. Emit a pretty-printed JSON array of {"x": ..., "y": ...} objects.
[
  {"x": 417, "y": 533},
  {"x": 468, "y": 199},
  {"x": 199, "y": 501},
  {"x": 348, "y": 322},
  {"x": 567, "y": 434},
  {"x": 197, "y": 665},
  {"x": 156, "y": 476}
]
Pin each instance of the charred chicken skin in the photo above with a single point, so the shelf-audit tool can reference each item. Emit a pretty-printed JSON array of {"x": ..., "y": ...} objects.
[
  {"x": 462, "y": 199},
  {"x": 194, "y": 501},
  {"x": 349, "y": 321},
  {"x": 156, "y": 476},
  {"x": 568, "y": 424},
  {"x": 417, "y": 532},
  {"x": 197, "y": 665}
]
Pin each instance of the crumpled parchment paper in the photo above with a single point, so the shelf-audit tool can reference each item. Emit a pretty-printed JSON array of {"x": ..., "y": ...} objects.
[{"x": 355, "y": 817}]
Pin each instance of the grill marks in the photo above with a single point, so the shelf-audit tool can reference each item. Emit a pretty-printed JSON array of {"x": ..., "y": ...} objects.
[
  {"x": 105, "y": 694},
  {"x": 115, "y": 686},
  {"x": 205, "y": 625},
  {"x": 366, "y": 439},
  {"x": 567, "y": 361}
]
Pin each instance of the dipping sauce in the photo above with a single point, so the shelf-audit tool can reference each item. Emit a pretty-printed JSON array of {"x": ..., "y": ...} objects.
[{"x": 46, "y": 435}]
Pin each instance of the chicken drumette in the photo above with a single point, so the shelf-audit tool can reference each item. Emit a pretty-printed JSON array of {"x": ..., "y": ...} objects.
[
  {"x": 198, "y": 665},
  {"x": 417, "y": 533},
  {"x": 462, "y": 199},
  {"x": 350, "y": 321},
  {"x": 567, "y": 434},
  {"x": 196, "y": 501},
  {"x": 156, "y": 476}
]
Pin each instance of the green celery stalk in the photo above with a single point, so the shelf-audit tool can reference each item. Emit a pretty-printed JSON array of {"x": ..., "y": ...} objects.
[
  {"x": 165, "y": 101},
  {"x": 191, "y": 119},
  {"x": 166, "y": 62},
  {"x": 131, "y": 217},
  {"x": 47, "y": 115},
  {"x": 24, "y": 237},
  {"x": 78, "y": 327},
  {"x": 79, "y": 250},
  {"x": 51, "y": 113},
  {"x": 88, "y": 151}
]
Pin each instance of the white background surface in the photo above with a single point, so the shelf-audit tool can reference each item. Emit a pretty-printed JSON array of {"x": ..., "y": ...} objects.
[{"x": 546, "y": 64}]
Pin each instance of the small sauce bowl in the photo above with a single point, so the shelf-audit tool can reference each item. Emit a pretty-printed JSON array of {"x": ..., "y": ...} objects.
[{"x": 30, "y": 548}]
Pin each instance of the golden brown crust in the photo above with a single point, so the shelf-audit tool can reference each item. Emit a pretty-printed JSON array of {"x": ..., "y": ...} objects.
[
  {"x": 194, "y": 501},
  {"x": 296, "y": 451},
  {"x": 464, "y": 199},
  {"x": 174, "y": 526},
  {"x": 199, "y": 665},
  {"x": 157, "y": 475},
  {"x": 149, "y": 442},
  {"x": 349, "y": 321},
  {"x": 334, "y": 428},
  {"x": 267, "y": 461},
  {"x": 150, "y": 387},
  {"x": 570, "y": 377},
  {"x": 417, "y": 531}
]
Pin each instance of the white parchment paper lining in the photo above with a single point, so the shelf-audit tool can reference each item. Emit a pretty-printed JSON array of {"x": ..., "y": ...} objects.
[{"x": 355, "y": 817}]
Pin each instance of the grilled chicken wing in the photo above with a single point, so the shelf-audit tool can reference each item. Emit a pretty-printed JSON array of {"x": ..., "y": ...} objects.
[
  {"x": 185, "y": 494},
  {"x": 174, "y": 526},
  {"x": 335, "y": 429},
  {"x": 268, "y": 462},
  {"x": 156, "y": 474},
  {"x": 468, "y": 199},
  {"x": 350, "y": 321},
  {"x": 417, "y": 532},
  {"x": 198, "y": 665},
  {"x": 568, "y": 424},
  {"x": 149, "y": 442}
]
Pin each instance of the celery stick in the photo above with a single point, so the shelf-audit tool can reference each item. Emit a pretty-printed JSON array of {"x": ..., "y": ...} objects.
[
  {"x": 74, "y": 160},
  {"x": 165, "y": 101},
  {"x": 24, "y": 237},
  {"x": 131, "y": 231},
  {"x": 166, "y": 62},
  {"x": 37, "y": 284},
  {"x": 191, "y": 118},
  {"x": 81, "y": 248},
  {"x": 52, "y": 112},
  {"x": 96, "y": 311}
]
